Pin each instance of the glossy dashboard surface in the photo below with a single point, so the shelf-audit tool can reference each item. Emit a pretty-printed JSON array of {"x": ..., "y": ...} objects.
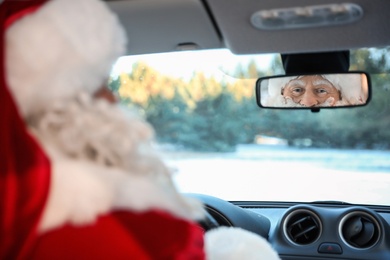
[{"x": 322, "y": 230}]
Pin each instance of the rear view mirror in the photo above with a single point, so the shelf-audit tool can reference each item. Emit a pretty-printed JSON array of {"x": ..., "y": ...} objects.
[{"x": 314, "y": 91}]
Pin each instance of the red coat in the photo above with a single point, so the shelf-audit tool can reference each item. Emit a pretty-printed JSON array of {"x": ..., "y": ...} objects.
[
  {"x": 24, "y": 186},
  {"x": 123, "y": 235}
]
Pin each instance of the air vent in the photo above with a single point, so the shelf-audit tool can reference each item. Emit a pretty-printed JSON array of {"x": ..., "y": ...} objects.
[
  {"x": 360, "y": 230},
  {"x": 302, "y": 227}
]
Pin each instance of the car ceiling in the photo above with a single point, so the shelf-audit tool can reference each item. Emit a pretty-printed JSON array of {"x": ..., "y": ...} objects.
[{"x": 169, "y": 25}]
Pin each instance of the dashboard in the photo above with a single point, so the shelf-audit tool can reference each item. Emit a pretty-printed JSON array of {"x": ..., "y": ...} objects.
[{"x": 319, "y": 230}]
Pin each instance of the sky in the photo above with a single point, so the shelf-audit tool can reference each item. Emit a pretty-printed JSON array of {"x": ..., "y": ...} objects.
[{"x": 183, "y": 64}]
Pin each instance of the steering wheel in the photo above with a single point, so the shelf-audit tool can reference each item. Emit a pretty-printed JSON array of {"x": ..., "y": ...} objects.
[
  {"x": 208, "y": 222},
  {"x": 223, "y": 213}
]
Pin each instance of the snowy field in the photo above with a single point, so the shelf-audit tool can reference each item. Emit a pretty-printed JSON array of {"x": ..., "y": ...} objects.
[{"x": 286, "y": 174}]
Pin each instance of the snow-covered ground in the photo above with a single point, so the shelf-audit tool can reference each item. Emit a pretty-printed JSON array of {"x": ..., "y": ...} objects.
[{"x": 287, "y": 174}]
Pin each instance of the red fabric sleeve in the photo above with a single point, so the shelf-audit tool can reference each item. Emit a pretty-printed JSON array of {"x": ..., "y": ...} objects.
[
  {"x": 164, "y": 236},
  {"x": 24, "y": 184},
  {"x": 124, "y": 235},
  {"x": 24, "y": 169}
]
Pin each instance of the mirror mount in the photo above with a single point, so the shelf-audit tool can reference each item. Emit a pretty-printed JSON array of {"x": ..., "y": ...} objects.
[{"x": 321, "y": 63}]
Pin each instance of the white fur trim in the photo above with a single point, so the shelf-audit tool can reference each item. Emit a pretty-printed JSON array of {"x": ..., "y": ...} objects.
[
  {"x": 275, "y": 85},
  {"x": 236, "y": 244},
  {"x": 81, "y": 191},
  {"x": 65, "y": 46},
  {"x": 76, "y": 196},
  {"x": 347, "y": 84}
]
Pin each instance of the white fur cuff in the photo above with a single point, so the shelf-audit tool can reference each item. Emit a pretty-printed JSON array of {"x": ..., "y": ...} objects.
[{"x": 235, "y": 243}]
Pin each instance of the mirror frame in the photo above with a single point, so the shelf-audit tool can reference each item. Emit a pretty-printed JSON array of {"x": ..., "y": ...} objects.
[{"x": 313, "y": 109}]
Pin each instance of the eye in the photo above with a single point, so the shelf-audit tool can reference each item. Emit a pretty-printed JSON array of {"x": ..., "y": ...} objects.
[
  {"x": 321, "y": 91},
  {"x": 297, "y": 90}
]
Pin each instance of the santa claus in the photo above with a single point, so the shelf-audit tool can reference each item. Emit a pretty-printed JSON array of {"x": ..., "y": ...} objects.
[
  {"x": 329, "y": 90},
  {"x": 78, "y": 176}
]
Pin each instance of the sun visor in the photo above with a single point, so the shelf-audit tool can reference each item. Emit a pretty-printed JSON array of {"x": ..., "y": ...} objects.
[{"x": 166, "y": 25}]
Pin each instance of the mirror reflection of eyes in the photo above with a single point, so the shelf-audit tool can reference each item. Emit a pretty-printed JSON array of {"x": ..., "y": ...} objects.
[
  {"x": 297, "y": 91},
  {"x": 318, "y": 91},
  {"x": 295, "y": 87},
  {"x": 321, "y": 91}
]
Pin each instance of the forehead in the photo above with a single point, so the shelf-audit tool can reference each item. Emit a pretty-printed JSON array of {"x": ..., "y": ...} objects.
[{"x": 314, "y": 80}]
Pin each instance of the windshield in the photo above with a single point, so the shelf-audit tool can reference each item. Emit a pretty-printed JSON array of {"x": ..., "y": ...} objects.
[{"x": 210, "y": 130}]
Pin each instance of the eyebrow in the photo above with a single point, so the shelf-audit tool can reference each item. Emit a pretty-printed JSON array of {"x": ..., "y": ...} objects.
[
  {"x": 322, "y": 82},
  {"x": 297, "y": 82}
]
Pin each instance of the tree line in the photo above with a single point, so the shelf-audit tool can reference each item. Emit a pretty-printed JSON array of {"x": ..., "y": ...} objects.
[{"x": 206, "y": 114}]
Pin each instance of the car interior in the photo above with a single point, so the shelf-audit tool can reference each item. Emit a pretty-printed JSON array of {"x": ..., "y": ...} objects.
[{"x": 351, "y": 219}]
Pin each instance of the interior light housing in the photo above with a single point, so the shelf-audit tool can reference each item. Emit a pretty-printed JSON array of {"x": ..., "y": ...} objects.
[{"x": 307, "y": 17}]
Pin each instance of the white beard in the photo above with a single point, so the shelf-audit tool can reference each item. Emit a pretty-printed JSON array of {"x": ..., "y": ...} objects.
[
  {"x": 281, "y": 101},
  {"x": 94, "y": 130},
  {"x": 102, "y": 160}
]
